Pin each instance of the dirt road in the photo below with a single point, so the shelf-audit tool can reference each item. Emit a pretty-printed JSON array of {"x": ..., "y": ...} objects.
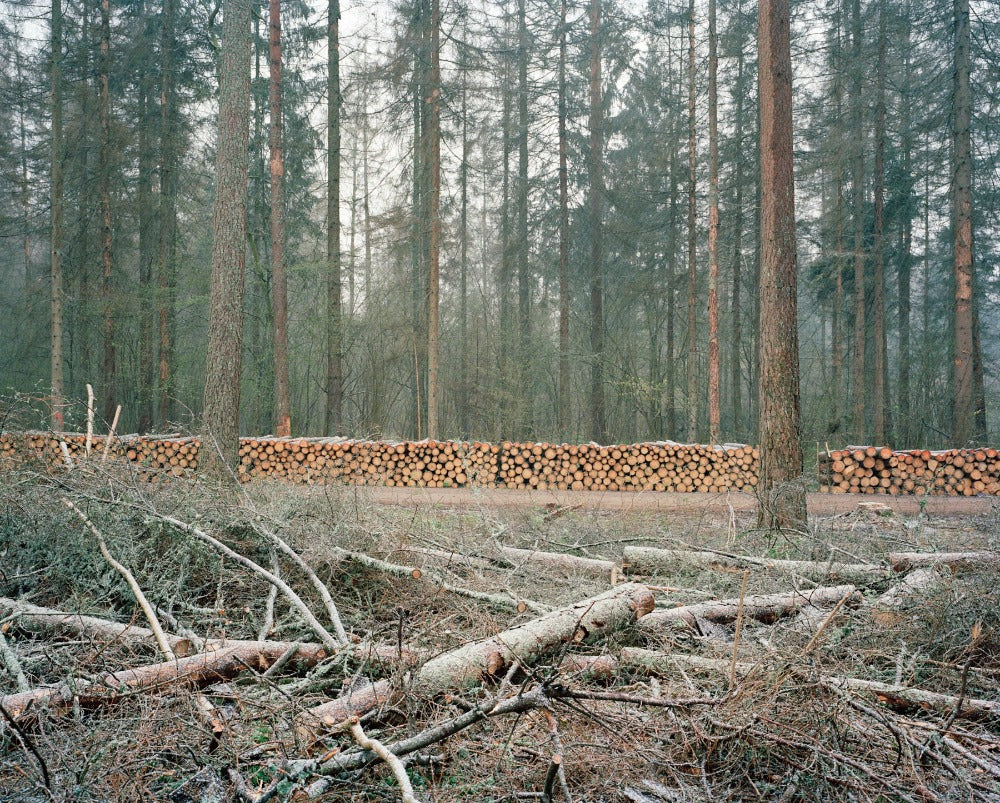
[{"x": 653, "y": 502}]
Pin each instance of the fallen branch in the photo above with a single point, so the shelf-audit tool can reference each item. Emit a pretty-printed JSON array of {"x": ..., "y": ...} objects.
[
  {"x": 414, "y": 573},
  {"x": 331, "y": 607},
  {"x": 904, "y": 561},
  {"x": 916, "y": 583},
  {"x": 893, "y": 695},
  {"x": 390, "y": 758},
  {"x": 158, "y": 633},
  {"x": 488, "y": 657},
  {"x": 13, "y": 664},
  {"x": 560, "y": 561},
  {"x": 198, "y": 669},
  {"x": 766, "y": 608},
  {"x": 650, "y": 560},
  {"x": 84, "y": 625},
  {"x": 329, "y": 640}
]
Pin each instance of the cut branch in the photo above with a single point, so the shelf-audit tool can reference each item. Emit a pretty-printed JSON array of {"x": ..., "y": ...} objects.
[
  {"x": 650, "y": 560},
  {"x": 488, "y": 657},
  {"x": 766, "y": 608}
]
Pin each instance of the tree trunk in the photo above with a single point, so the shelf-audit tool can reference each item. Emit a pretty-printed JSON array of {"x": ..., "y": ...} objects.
[
  {"x": 334, "y": 416},
  {"x": 692, "y": 333},
  {"x": 736, "y": 338},
  {"x": 564, "y": 413},
  {"x": 56, "y": 238},
  {"x": 147, "y": 237},
  {"x": 463, "y": 177},
  {"x": 108, "y": 361},
  {"x": 167, "y": 245},
  {"x": 524, "y": 406},
  {"x": 962, "y": 411},
  {"x": 229, "y": 236},
  {"x": 714, "y": 407},
  {"x": 880, "y": 368},
  {"x": 433, "y": 100},
  {"x": 599, "y": 427},
  {"x": 904, "y": 427},
  {"x": 765, "y": 608},
  {"x": 473, "y": 662},
  {"x": 279, "y": 284},
  {"x": 858, "y": 389},
  {"x": 782, "y": 498}
]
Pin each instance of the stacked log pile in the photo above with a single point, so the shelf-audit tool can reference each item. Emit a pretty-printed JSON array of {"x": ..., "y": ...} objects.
[
  {"x": 880, "y": 470},
  {"x": 661, "y": 466}
]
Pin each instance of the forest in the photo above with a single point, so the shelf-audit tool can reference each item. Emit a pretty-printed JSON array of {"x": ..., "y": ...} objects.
[{"x": 589, "y": 267}]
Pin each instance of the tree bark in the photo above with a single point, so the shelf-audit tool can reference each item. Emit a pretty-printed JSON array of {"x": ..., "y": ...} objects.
[
  {"x": 471, "y": 663},
  {"x": 433, "y": 101},
  {"x": 859, "y": 389},
  {"x": 599, "y": 427},
  {"x": 221, "y": 412},
  {"x": 962, "y": 406},
  {"x": 167, "y": 245},
  {"x": 564, "y": 413},
  {"x": 279, "y": 284},
  {"x": 782, "y": 499},
  {"x": 524, "y": 346},
  {"x": 56, "y": 389},
  {"x": 714, "y": 405},
  {"x": 198, "y": 669},
  {"x": 692, "y": 332},
  {"x": 880, "y": 369},
  {"x": 333, "y": 418},
  {"x": 765, "y": 608},
  {"x": 108, "y": 361},
  {"x": 736, "y": 335},
  {"x": 904, "y": 427}
]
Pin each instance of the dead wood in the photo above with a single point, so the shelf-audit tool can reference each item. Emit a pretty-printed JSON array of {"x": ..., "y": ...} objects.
[
  {"x": 915, "y": 584},
  {"x": 31, "y": 616},
  {"x": 904, "y": 561},
  {"x": 488, "y": 657},
  {"x": 207, "y": 667},
  {"x": 893, "y": 695},
  {"x": 560, "y": 561},
  {"x": 766, "y": 608},
  {"x": 412, "y": 572},
  {"x": 650, "y": 560}
]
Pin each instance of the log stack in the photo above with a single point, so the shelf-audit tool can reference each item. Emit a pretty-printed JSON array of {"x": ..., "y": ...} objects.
[
  {"x": 880, "y": 470},
  {"x": 660, "y": 466}
]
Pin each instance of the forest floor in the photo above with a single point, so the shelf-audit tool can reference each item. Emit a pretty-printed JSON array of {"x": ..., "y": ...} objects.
[{"x": 506, "y": 646}]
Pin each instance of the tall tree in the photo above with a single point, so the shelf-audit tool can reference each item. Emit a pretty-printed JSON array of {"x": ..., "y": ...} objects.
[
  {"x": 880, "y": 368},
  {"x": 223, "y": 367},
  {"x": 104, "y": 190},
  {"x": 167, "y": 246},
  {"x": 56, "y": 201},
  {"x": 692, "y": 332},
  {"x": 433, "y": 141},
  {"x": 962, "y": 404},
  {"x": 859, "y": 390},
  {"x": 333, "y": 420},
  {"x": 714, "y": 408},
  {"x": 595, "y": 168},
  {"x": 782, "y": 500},
  {"x": 279, "y": 284},
  {"x": 563, "y": 414}
]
